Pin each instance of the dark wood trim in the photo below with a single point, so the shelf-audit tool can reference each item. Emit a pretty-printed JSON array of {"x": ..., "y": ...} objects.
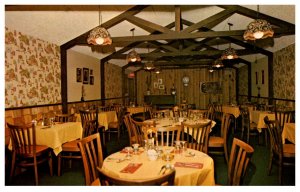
[
  {"x": 123, "y": 84},
  {"x": 33, "y": 106},
  {"x": 270, "y": 98},
  {"x": 236, "y": 84},
  {"x": 102, "y": 79},
  {"x": 64, "y": 79},
  {"x": 271, "y": 76},
  {"x": 135, "y": 87},
  {"x": 249, "y": 81}
]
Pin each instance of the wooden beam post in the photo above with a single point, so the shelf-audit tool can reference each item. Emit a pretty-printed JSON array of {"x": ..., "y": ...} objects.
[
  {"x": 102, "y": 79},
  {"x": 64, "y": 80},
  {"x": 271, "y": 74},
  {"x": 249, "y": 81}
]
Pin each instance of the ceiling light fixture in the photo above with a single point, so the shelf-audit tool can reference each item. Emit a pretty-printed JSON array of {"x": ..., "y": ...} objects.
[
  {"x": 229, "y": 53},
  {"x": 149, "y": 66},
  {"x": 258, "y": 29},
  {"x": 133, "y": 56},
  {"x": 99, "y": 35},
  {"x": 218, "y": 63}
]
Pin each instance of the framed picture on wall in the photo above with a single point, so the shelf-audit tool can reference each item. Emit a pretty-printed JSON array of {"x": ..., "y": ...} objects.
[
  {"x": 161, "y": 87},
  {"x": 155, "y": 85},
  {"x": 159, "y": 81},
  {"x": 91, "y": 71},
  {"x": 79, "y": 75},
  {"x": 86, "y": 74},
  {"x": 91, "y": 80}
]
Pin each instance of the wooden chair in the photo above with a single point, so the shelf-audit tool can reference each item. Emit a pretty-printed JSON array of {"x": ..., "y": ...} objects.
[
  {"x": 249, "y": 127},
  {"x": 217, "y": 142},
  {"x": 218, "y": 112},
  {"x": 239, "y": 159},
  {"x": 165, "y": 179},
  {"x": 162, "y": 113},
  {"x": 141, "y": 130},
  {"x": 92, "y": 157},
  {"x": 196, "y": 135},
  {"x": 65, "y": 118},
  {"x": 198, "y": 112},
  {"x": 70, "y": 150},
  {"x": 135, "y": 135},
  {"x": 26, "y": 152},
  {"x": 116, "y": 126},
  {"x": 168, "y": 135},
  {"x": 283, "y": 117},
  {"x": 281, "y": 154}
]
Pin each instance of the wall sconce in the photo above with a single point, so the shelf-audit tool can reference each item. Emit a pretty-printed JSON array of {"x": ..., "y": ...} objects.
[{"x": 185, "y": 81}]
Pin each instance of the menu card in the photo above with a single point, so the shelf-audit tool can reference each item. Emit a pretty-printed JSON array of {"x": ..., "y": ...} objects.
[
  {"x": 189, "y": 165},
  {"x": 131, "y": 168}
]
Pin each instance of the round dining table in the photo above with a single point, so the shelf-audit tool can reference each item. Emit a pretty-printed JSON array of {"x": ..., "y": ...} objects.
[{"x": 192, "y": 167}]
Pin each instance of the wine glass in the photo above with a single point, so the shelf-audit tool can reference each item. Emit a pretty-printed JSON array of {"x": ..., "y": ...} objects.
[
  {"x": 128, "y": 149},
  {"x": 183, "y": 144}
]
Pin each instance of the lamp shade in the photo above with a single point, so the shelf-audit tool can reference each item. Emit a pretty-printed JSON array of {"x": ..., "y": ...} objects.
[
  {"x": 229, "y": 53},
  {"x": 149, "y": 66},
  {"x": 133, "y": 56},
  {"x": 99, "y": 36},
  {"x": 258, "y": 29},
  {"x": 218, "y": 63},
  {"x": 157, "y": 70}
]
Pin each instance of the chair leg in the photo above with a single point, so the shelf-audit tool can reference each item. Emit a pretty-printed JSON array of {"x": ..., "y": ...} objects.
[
  {"x": 59, "y": 164},
  {"x": 226, "y": 153},
  {"x": 280, "y": 172},
  {"x": 12, "y": 170},
  {"x": 50, "y": 163},
  {"x": 36, "y": 176},
  {"x": 248, "y": 133},
  {"x": 270, "y": 163}
]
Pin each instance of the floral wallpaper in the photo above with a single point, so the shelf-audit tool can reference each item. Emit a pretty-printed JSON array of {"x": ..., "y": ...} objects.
[
  {"x": 32, "y": 71},
  {"x": 284, "y": 73},
  {"x": 113, "y": 81}
]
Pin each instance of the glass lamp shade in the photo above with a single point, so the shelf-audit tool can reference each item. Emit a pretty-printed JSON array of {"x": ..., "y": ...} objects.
[
  {"x": 99, "y": 36},
  {"x": 133, "y": 56},
  {"x": 211, "y": 70},
  {"x": 258, "y": 29},
  {"x": 185, "y": 81},
  {"x": 157, "y": 70},
  {"x": 218, "y": 63},
  {"x": 149, "y": 66},
  {"x": 229, "y": 53}
]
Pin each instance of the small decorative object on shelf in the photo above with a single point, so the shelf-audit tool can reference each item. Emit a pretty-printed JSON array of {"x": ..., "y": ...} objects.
[{"x": 173, "y": 90}]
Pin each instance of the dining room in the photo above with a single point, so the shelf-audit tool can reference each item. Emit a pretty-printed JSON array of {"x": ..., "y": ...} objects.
[{"x": 198, "y": 71}]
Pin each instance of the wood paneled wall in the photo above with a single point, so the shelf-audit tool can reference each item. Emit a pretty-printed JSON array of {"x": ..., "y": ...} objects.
[{"x": 192, "y": 92}]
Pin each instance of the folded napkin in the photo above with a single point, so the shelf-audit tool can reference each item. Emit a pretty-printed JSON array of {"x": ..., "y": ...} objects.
[
  {"x": 131, "y": 168},
  {"x": 189, "y": 165}
]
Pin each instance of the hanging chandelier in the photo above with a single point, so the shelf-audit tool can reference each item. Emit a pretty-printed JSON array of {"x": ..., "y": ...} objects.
[
  {"x": 133, "y": 56},
  {"x": 99, "y": 35},
  {"x": 218, "y": 63},
  {"x": 258, "y": 29},
  {"x": 229, "y": 53}
]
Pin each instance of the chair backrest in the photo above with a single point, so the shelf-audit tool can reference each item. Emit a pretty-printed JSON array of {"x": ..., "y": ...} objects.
[
  {"x": 23, "y": 139},
  {"x": 89, "y": 120},
  {"x": 148, "y": 109},
  {"x": 135, "y": 135},
  {"x": 275, "y": 135},
  {"x": 210, "y": 112},
  {"x": 165, "y": 179},
  {"x": 196, "y": 135},
  {"x": 226, "y": 120},
  {"x": 239, "y": 159},
  {"x": 283, "y": 117},
  {"x": 245, "y": 116},
  {"x": 162, "y": 113},
  {"x": 92, "y": 157},
  {"x": 141, "y": 128},
  {"x": 65, "y": 118},
  {"x": 198, "y": 112},
  {"x": 168, "y": 135}
]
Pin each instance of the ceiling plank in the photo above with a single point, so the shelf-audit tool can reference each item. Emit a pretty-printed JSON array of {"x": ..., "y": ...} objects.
[
  {"x": 219, "y": 17},
  {"x": 147, "y": 25}
]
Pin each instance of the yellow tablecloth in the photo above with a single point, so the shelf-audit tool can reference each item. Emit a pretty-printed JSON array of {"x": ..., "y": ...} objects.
[
  {"x": 234, "y": 110},
  {"x": 288, "y": 132},
  {"x": 166, "y": 122},
  {"x": 133, "y": 110},
  {"x": 184, "y": 176},
  {"x": 58, "y": 134},
  {"x": 258, "y": 118},
  {"x": 104, "y": 118}
]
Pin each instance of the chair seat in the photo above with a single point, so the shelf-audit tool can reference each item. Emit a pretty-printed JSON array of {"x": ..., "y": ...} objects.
[
  {"x": 39, "y": 149},
  {"x": 113, "y": 125},
  {"x": 71, "y": 146},
  {"x": 288, "y": 150},
  {"x": 96, "y": 182},
  {"x": 215, "y": 141}
]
